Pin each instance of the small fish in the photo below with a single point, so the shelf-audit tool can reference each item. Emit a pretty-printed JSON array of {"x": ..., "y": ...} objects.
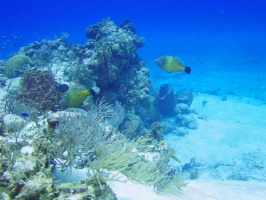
[
  {"x": 24, "y": 114},
  {"x": 171, "y": 64},
  {"x": 2, "y": 85}
]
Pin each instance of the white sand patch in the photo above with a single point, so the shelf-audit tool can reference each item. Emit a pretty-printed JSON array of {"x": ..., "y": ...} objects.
[
  {"x": 233, "y": 134},
  {"x": 133, "y": 191},
  {"x": 195, "y": 190}
]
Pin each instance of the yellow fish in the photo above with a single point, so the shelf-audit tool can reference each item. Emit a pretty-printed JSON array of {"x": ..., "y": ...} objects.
[
  {"x": 171, "y": 64},
  {"x": 75, "y": 96}
]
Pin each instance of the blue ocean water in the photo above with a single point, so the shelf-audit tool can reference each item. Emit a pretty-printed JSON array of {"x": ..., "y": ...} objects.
[
  {"x": 222, "y": 41},
  {"x": 215, "y": 38}
]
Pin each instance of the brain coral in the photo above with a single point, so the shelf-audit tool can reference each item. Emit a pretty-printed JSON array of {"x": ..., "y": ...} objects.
[{"x": 15, "y": 65}]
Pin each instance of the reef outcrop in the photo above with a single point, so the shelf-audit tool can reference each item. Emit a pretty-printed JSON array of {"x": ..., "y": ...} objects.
[
  {"x": 113, "y": 63},
  {"x": 108, "y": 63}
]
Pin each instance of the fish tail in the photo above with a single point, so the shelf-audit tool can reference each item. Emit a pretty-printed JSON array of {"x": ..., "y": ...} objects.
[{"x": 187, "y": 70}]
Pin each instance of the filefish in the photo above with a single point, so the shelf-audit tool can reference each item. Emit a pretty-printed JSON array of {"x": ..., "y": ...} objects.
[
  {"x": 74, "y": 97},
  {"x": 171, "y": 64}
]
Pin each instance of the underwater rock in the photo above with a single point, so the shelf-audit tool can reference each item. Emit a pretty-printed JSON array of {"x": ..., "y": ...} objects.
[
  {"x": 164, "y": 99},
  {"x": 186, "y": 120},
  {"x": 182, "y": 108},
  {"x": 53, "y": 118},
  {"x": 147, "y": 112},
  {"x": 134, "y": 86},
  {"x": 72, "y": 113},
  {"x": 13, "y": 123},
  {"x": 111, "y": 56},
  {"x": 50, "y": 53},
  {"x": 2, "y": 65},
  {"x": 184, "y": 97},
  {"x": 127, "y": 25},
  {"x": 3, "y": 79},
  {"x": 37, "y": 187},
  {"x": 30, "y": 129},
  {"x": 24, "y": 166},
  {"x": 180, "y": 131},
  {"x": 16, "y": 64}
]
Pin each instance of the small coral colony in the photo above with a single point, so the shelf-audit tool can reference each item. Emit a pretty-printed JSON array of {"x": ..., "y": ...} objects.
[{"x": 70, "y": 107}]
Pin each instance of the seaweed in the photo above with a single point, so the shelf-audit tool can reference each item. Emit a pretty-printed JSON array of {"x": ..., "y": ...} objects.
[
  {"x": 77, "y": 134},
  {"x": 125, "y": 157},
  {"x": 10, "y": 151},
  {"x": 111, "y": 159}
]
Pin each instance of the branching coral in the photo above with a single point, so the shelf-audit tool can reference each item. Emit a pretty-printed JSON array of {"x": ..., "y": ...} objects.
[{"x": 76, "y": 135}]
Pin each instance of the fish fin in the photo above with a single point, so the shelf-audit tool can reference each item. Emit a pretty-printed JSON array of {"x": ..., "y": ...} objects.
[
  {"x": 92, "y": 92},
  {"x": 187, "y": 70}
]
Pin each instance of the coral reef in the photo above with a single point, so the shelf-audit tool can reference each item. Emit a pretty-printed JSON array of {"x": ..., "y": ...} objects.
[
  {"x": 85, "y": 140},
  {"x": 110, "y": 51},
  {"x": 100, "y": 64},
  {"x": 105, "y": 136},
  {"x": 50, "y": 52},
  {"x": 38, "y": 90},
  {"x": 16, "y": 65}
]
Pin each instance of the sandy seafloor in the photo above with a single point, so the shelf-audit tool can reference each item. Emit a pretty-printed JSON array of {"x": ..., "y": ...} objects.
[
  {"x": 229, "y": 143},
  {"x": 229, "y": 74}
]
